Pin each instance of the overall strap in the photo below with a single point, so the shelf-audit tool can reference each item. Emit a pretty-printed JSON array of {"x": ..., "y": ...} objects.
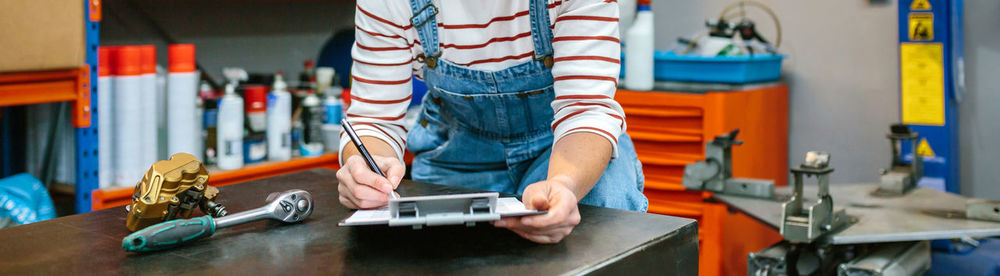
[
  {"x": 425, "y": 21},
  {"x": 541, "y": 31}
]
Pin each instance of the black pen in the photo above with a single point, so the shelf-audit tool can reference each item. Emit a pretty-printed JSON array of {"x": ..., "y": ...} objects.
[{"x": 364, "y": 152}]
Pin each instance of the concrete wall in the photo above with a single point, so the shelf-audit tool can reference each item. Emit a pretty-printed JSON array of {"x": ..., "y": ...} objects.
[
  {"x": 979, "y": 114},
  {"x": 844, "y": 80},
  {"x": 260, "y": 36},
  {"x": 841, "y": 69}
]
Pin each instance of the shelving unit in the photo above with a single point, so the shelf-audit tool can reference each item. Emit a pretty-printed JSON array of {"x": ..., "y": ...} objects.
[{"x": 69, "y": 85}]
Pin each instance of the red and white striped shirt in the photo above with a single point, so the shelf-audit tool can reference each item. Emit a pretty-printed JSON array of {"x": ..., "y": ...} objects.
[{"x": 487, "y": 35}]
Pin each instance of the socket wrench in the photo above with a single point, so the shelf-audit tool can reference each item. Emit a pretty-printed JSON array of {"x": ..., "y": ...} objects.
[{"x": 288, "y": 206}]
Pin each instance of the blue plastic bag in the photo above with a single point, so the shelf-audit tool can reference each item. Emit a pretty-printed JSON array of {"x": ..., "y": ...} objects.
[{"x": 23, "y": 200}]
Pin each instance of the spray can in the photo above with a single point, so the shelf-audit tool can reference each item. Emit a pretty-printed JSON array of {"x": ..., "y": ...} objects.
[
  {"x": 182, "y": 120},
  {"x": 255, "y": 143},
  {"x": 105, "y": 111},
  {"x": 148, "y": 132},
  {"x": 639, "y": 50},
  {"x": 312, "y": 122},
  {"x": 279, "y": 121},
  {"x": 127, "y": 162},
  {"x": 229, "y": 130}
]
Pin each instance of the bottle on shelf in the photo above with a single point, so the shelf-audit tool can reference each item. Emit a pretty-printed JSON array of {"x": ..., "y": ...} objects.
[
  {"x": 255, "y": 142},
  {"x": 148, "y": 132},
  {"x": 210, "y": 119},
  {"x": 326, "y": 81},
  {"x": 279, "y": 121},
  {"x": 229, "y": 127},
  {"x": 639, "y": 50},
  {"x": 312, "y": 123},
  {"x": 105, "y": 112},
  {"x": 128, "y": 158},
  {"x": 182, "y": 119}
]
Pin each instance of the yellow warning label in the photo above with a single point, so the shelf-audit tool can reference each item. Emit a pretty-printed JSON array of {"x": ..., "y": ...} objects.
[
  {"x": 924, "y": 149},
  {"x": 921, "y": 26},
  {"x": 922, "y": 83},
  {"x": 920, "y": 5}
]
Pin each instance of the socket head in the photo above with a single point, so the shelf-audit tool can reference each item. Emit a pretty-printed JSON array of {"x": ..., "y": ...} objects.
[{"x": 290, "y": 206}]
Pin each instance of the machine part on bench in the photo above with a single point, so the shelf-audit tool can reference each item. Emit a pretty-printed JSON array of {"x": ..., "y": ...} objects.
[
  {"x": 877, "y": 219},
  {"x": 809, "y": 259},
  {"x": 982, "y": 209},
  {"x": 901, "y": 177},
  {"x": 288, "y": 207},
  {"x": 906, "y": 258},
  {"x": 804, "y": 224},
  {"x": 443, "y": 210},
  {"x": 715, "y": 173},
  {"x": 171, "y": 189}
]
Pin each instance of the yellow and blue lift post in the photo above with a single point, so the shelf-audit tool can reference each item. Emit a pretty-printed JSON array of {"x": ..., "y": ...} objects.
[{"x": 932, "y": 84}]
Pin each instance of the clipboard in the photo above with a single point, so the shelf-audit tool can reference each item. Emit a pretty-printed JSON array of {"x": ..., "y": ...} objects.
[{"x": 456, "y": 209}]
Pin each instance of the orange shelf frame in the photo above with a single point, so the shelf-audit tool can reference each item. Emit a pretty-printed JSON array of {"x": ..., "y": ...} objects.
[
  {"x": 23, "y": 88},
  {"x": 104, "y": 199}
]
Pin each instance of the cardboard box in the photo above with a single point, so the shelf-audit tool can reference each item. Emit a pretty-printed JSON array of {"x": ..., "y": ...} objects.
[{"x": 40, "y": 35}]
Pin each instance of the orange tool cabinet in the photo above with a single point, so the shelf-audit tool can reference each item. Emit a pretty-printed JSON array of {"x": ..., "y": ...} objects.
[{"x": 670, "y": 129}]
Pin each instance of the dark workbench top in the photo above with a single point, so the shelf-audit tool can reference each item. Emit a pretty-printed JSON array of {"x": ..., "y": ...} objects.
[{"x": 606, "y": 241}]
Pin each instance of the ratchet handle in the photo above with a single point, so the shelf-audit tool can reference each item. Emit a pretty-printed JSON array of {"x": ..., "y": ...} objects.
[{"x": 169, "y": 234}]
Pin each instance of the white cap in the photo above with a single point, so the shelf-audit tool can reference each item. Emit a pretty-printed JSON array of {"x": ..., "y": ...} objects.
[{"x": 279, "y": 83}]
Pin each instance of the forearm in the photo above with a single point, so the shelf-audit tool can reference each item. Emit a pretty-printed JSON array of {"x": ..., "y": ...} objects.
[
  {"x": 374, "y": 146},
  {"x": 578, "y": 160}
]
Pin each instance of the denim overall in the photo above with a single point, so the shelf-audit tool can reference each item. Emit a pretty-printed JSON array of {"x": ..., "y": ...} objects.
[{"x": 491, "y": 130}]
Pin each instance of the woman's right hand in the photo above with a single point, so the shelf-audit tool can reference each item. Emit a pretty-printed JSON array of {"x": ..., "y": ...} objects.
[{"x": 361, "y": 188}]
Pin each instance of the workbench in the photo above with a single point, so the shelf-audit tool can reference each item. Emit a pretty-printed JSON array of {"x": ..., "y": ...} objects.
[{"x": 606, "y": 241}]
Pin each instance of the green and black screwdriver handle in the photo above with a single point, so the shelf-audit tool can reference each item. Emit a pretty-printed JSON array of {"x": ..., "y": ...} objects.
[{"x": 289, "y": 206}]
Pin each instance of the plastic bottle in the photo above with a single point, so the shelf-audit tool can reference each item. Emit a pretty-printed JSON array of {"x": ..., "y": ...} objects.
[
  {"x": 255, "y": 141},
  {"x": 312, "y": 121},
  {"x": 148, "y": 103},
  {"x": 229, "y": 130},
  {"x": 334, "y": 108},
  {"x": 128, "y": 157},
  {"x": 639, "y": 50},
  {"x": 182, "y": 85},
  {"x": 279, "y": 121},
  {"x": 105, "y": 113}
]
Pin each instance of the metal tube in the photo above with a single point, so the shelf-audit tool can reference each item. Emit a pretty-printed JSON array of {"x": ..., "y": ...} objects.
[{"x": 242, "y": 217}]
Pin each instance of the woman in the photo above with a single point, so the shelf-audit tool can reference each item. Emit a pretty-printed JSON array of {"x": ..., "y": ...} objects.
[{"x": 520, "y": 101}]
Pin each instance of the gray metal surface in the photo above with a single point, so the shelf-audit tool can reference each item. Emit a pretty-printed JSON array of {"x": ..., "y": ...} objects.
[
  {"x": 922, "y": 214},
  {"x": 288, "y": 206}
]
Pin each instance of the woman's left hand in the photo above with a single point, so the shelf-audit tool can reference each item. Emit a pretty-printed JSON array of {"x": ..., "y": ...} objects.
[{"x": 563, "y": 215}]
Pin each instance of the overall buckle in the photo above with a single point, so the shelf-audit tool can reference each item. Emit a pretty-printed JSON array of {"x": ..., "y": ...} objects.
[
  {"x": 413, "y": 18},
  {"x": 430, "y": 61},
  {"x": 547, "y": 60}
]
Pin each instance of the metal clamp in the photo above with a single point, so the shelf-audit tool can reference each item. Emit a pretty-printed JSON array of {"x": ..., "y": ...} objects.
[
  {"x": 443, "y": 210},
  {"x": 715, "y": 173},
  {"x": 806, "y": 223},
  {"x": 901, "y": 177}
]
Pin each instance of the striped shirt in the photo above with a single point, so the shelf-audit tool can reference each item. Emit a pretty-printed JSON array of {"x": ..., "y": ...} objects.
[{"x": 487, "y": 35}]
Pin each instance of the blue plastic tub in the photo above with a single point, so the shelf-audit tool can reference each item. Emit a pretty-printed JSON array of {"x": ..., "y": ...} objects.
[{"x": 669, "y": 66}]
